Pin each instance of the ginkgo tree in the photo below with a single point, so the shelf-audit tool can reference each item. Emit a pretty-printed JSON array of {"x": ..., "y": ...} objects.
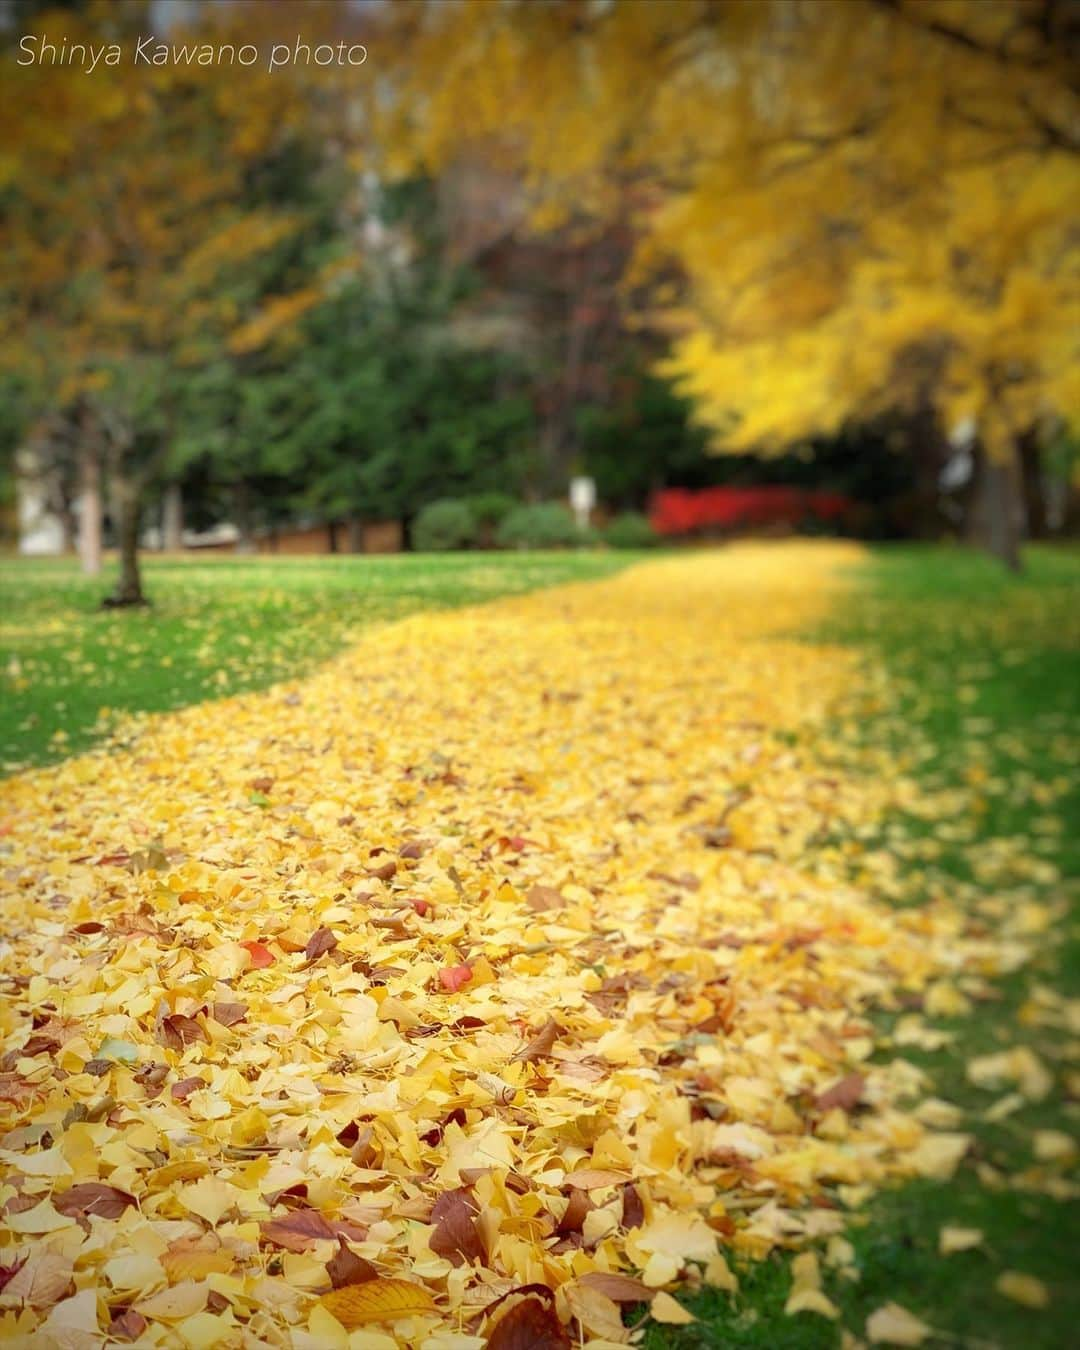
[{"x": 825, "y": 195}]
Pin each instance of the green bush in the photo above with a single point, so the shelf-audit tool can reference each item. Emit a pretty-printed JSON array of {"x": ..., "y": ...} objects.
[
  {"x": 490, "y": 509},
  {"x": 630, "y": 530},
  {"x": 546, "y": 525},
  {"x": 444, "y": 525}
]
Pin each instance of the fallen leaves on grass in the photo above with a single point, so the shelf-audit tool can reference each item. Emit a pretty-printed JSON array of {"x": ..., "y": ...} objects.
[{"x": 579, "y": 1013}]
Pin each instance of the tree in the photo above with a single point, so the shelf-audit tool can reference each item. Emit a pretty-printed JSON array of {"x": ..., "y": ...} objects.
[
  {"x": 150, "y": 231},
  {"x": 823, "y": 196}
]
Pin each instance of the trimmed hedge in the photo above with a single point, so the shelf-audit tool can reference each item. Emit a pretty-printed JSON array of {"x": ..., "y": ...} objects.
[
  {"x": 545, "y": 525},
  {"x": 443, "y": 525}
]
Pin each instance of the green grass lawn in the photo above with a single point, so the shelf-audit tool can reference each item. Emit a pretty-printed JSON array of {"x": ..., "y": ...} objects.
[
  {"x": 985, "y": 687},
  {"x": 216, "y": 626}
]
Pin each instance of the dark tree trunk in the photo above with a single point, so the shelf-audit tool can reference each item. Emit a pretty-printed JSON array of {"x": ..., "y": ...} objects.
[
  {"x": 993, "y": 520},
  {"x": 129, "y": 586},
  {"x": 1029, "y": 460}
]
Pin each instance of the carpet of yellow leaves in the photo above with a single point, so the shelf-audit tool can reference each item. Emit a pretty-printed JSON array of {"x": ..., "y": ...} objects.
[{"x": 491, "y": 955}]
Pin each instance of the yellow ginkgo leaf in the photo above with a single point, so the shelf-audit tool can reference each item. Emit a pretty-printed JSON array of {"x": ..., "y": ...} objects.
[
  {"x": 666, "y": 1309},
  {"x": 1021, "y": 1288},
  {"x": 894, "y": 1325}
]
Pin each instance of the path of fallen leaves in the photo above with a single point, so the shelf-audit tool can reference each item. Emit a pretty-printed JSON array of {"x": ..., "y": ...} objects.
[{"x": 515, "y": 948}]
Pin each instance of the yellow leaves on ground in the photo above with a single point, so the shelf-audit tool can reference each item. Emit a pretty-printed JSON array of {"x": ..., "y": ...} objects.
[{"x": 509, "y": 950}]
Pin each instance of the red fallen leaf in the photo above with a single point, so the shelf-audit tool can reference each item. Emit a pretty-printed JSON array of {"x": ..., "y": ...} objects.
[
  {"x": 420, "y": 906},
  {"x": 92, "y": 1197},
  {"x": 128, "y": 1325},
  {"x": 529, "y": 1325},
  {"x": 541, "y": 898},
  {"x": 228, "y": 1014},
  {"x": 8, "y": 1273},
  {"x": 384, "y": 871},
  {"x": 322, "y": 940},
  {"x": 345, "y": 1267},
  {"x": 633, "y": 1211},
  {"x": 453, "y": 977},
  {"x": 540, "y": 1045},
  {"x": 456, "y": 1236},
  {"x": 177, "y": 1031},
  {"x": 846, "y": 1094},
  {"x": 91, "y": 926},
  {"x": 261, "y": 956},
  {"x": 182, "y": 1091}
]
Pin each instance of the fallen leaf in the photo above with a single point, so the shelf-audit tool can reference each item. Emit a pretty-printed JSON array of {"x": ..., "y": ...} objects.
[
  {"x": 456, "y": 1235},
  {"x": 846, "y": 1094},
  {"x": 529, "y": 1325},
  {"x": 127, "y": 1325},
  {"x": 321, "y": 941},
  {"x": 893, "y": 1325},
  {"x": 378, "y": 1300},
  {"x": 42, "y": 1280},
  {"x": 228, "y": 1014},
  {"x": 619, "y": 1288},
  {"x": 453, "y": 978},
  {"x": 540, "y": 1045},
  {"x": 345, "y": 1267},
  {"x": 953, "y": 1239},
  {"x": 1021, "y": 1288},
  {"x": 261, "y": 956},
  {"x": 93, "y": 1197},
  {"x": 667, "y": 1310}
]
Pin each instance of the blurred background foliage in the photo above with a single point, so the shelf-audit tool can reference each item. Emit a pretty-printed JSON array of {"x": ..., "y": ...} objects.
[{"x": 689, "y": 244}]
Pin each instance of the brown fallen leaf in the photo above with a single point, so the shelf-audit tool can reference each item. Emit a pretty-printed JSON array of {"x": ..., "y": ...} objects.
[
  {"x": 42, "y": 1280},
  {"x": 378, "y": 1300},
  {"x": 297, "y": 1230},
  {"x": 321, "y": 941},
  {"x": 573, "y": 1217},
  {"x": 92, "y": 1197},
  {"x": 540, "y": 1045},
  {"x": 846, "y": 1094},
  {"x": 127, "y": 1325},
  {"x": 633, "y": 1211},
  {"x": 384, "y": 871},
  {"x": 618, "y": 1288},
  {"x": 456, "y": 1235},
  {"x": 182, "y": 1090},
  {"x": 529, "y": 1325},
  {"x": 176, "y": 1031},
  {"x": 542, "y": 898},
  {"x": 345, "y": 1267},
  {"x": 228, "y": 1014},
  {"x": 593, "y": 1178}
]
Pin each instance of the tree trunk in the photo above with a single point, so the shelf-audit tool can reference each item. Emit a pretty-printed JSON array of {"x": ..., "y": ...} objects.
[
  {"x": 90, "y": 509},
  {"x": 129, "y": 586},
  {"x": 1029, "y": 460},
  {"x": 995, "y": 509},
  {"x": 172, "y": 521}
]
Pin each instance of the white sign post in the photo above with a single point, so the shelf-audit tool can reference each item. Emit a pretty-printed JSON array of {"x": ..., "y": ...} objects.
[{"x": 582, "y": 500}]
